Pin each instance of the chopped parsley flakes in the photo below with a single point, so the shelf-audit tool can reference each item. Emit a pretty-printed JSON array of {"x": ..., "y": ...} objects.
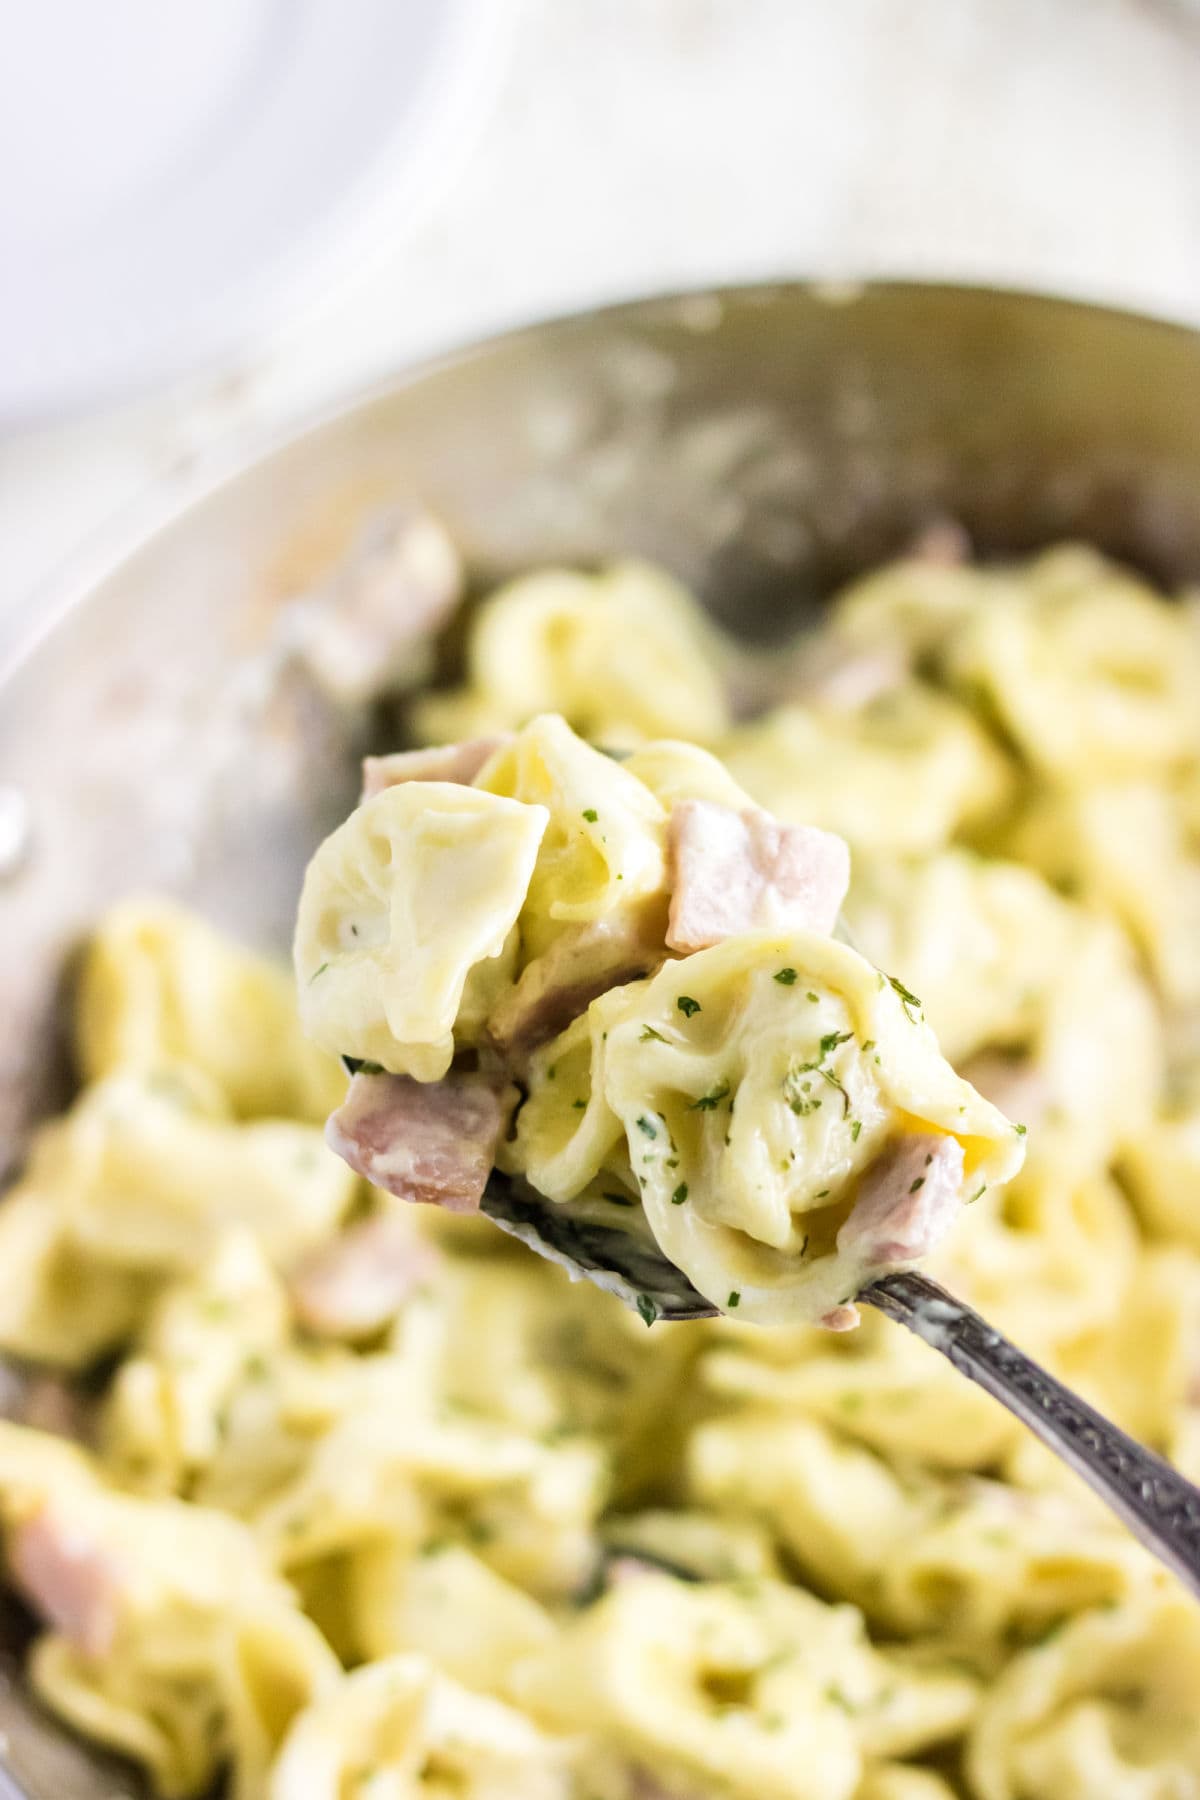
[
  {"x": 710, "y": 1101},
  {"x": 834, "y": 1082},
  {"x": 680, "y": 1194},
  {"x": 908, "y": 1000},
  {"x": 647, "y": 1126},
  {"x": 687, "y": 1005},
  {"x": 734, "y": 1300},
  {"x": 786, "y": 977},
  {"x": 647, "y": 1309},
  {"x": 317, "y": 972},
  {"x": 590, "y": 814},
  {"x": 649, "y": 1035}
]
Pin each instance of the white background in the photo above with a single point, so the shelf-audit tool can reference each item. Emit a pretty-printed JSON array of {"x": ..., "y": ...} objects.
[{"x": 634, "y": 145}]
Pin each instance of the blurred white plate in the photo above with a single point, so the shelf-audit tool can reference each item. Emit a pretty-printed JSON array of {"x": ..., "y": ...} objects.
[{"x": 173, "y": 178}]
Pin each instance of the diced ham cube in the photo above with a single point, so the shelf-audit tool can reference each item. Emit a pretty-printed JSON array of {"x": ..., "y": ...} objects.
[
  {"x": 744, "y": 871},
  {"x": 431, "y": 1142},
  {"x": 459, "y": 763},
  {"x": 907, "y": 1201},
  {"x": 57, "y": 1406},
  {"x": 843, "y": 676},
  {"x": 353, "y": 1286},
  {"x": 620, "y": 1570},
  {"x": 840, "y": 1318},
  {"x": 944, "y": 542},
  {"x": 580, "y": 965},
  {"x": 68, "y": 1580},
  {"x": 397, "y": 585},
  {"x": 858, "y": 678}
]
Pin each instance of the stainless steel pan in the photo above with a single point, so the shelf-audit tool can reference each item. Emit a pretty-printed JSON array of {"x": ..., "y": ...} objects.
[{"x": 763, "y": 442}]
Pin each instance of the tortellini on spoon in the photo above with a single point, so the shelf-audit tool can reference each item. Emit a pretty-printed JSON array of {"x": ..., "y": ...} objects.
[{"x": 618, "y": 981}]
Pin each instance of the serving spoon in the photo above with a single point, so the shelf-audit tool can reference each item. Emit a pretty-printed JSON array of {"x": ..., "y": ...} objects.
[{"x": 1158, "y": 1505}]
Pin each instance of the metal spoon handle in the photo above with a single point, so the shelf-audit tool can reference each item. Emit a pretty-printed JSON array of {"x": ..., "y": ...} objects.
[{"x": 1153, "y": 1499}]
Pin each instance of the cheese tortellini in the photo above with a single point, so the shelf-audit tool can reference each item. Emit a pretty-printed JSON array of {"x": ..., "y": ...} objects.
[
  {"x": 623, "y": 655},
  {"x": 755, "y": 1087},
  {"x": 377, "y": 1505},
  {"x": 417, "y": 891},
  {"x": 901, "y": 774}
]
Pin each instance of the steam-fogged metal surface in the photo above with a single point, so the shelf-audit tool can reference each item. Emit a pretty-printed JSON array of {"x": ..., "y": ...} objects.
[{"x": 763, "y": 443}]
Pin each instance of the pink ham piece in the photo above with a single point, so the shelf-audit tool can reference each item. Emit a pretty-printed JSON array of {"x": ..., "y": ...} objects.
[
  {"x": 431, "y": 1142},
  {"x": 944, "y": 542},
  {"x": 353, "y": 1286},
  {"x": 54, "y": 1405},
  {"x": 840, "y": 1318},
  {"x": 850, "y": 679},
  {"x": 580, "y": 965},
  {"x": 459, "y": 763},
  {"x": 744, "y": 871},
  {"x": 907, "y": 1201},
  {"x": 397, "y": 586},
  {"x": 73, "y": 1585}
]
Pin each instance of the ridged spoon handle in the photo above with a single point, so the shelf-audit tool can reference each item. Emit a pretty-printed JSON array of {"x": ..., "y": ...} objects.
[{"x": 1160, "y": 1507}]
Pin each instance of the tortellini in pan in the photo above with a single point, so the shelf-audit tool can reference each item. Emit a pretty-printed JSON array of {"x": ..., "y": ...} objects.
[
  {"x": 623, "y": 655},
  {"x": 399, "y": 1727},
  {"x": 378, "y": 1506},
  {"x": 170, "y": 1639},
  {"x": 753, "y": 1689}
]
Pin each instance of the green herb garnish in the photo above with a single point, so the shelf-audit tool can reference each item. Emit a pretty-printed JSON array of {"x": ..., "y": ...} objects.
[
  {"x": 649, "y": 1035},
  {"x": 735, "y": 1299},
  {"x": 680, "y": 1194},
  {"x": 590, "y": 814},
  {"x": 710, "y": 1101},
  {"x": 908, "y": 999},
  {"x": 647, "y": 1126},
  {"x": 786, "y": 977},
  {"x": 647, "y": 1309},
  {"x": 687, "y": 1005}
]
